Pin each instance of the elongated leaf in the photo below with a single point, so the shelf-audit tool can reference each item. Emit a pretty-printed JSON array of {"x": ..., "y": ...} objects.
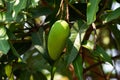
[
  {"x": 100, "y": 52},
  {"x": 8, "y": 14},
  {"x": 77, "y": 35},
  {"x": 78, "y": 66},
  {"x": 8, "y": 71},
  {"x": 18, "y": 6},
  {"x": 111, "y": 15},
  {"x": 116, "y": 34},
  {"x": 38, "y": 40},
  {"x": 2, "y": 16},
  {"x": 92, "y": 8},
  {"x": 4, "y": 45},
  {"x": 15, "y": 51}
]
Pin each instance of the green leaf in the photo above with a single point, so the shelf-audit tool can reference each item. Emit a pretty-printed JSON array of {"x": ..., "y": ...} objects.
[
  {"x": 100, "y": 52},
  {"x": 39, "y": 11},
  {"x": 36, "y": 59},
  {"x": 18, "y": 6},
  {"x": 34, "y": 3},
  {"x": 92, "y": 8},
  {"x": 38, "y": 76},
  {"x": 2, "y": 16},
  {"x": 77, "y": 35},
  {"x": 15, "y": 51},
  {"x": 4, "y": 45},
  {"x": 111, "y": 15},
  {"x": 116, "y": 33},
  {"x": 88, "y": 45},
  {"x": 78, "y": 67},
  {"x": 25, "y": 75},
  {"x": 2, "y": 33},
  {"x": 38, "y": 39},
  {"x": 8, "y": 71},
  {"x": 8, "y": 14},
  {"x": 1, "y": 4}
]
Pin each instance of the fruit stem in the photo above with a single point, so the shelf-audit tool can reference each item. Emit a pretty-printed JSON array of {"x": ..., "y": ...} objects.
[{"x": 53, "y": 69}]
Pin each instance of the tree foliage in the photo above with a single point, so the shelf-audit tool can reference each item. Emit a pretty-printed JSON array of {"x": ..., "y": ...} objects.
[{"x": 93, "y": 40}]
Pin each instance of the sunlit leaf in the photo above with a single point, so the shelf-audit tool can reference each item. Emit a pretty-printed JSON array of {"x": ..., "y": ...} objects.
[
  {"x": 8, "y": 71},
  {"x": 88, "y": 45},
  {"x": 8, "y": 14},
  {"x": 4, "y": 45},
  {"x": 1, "y": 4},
  {"x": 92, "y": 8},
  {"x": 2, "y": 16},
  {"x": 34, "y": 3},
  {"x": 3, "y": 34},
  {"x": 18, "y": 6},
  {"x": 77, "y": 35}
]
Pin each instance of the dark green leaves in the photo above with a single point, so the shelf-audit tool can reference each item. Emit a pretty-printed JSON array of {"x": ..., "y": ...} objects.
[
  {"x": 111, "y": 15},
  {"x": 116, "y": 33},
  {"x": 39, "y": 40},
  {"x": 4, "y": 46},
  {"x": 78, "y": 66},
  {"x": 92, "y": 8},
  {"x": 98, "y": 53},
  {"x": 18, "y": 6}
]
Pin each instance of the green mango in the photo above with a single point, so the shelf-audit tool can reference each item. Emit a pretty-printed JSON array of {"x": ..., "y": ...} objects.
[{"x": 57, "y": 38}]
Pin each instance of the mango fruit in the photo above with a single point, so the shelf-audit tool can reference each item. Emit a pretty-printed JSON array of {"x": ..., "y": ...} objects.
[{"x": 57, "y": 38}]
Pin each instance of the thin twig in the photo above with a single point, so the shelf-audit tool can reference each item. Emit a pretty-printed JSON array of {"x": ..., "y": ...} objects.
[
  {"x": 100, "y": 62},
  {"x": 67, "y": 11},
  {"x": 101, "y": 11},
  {"x": 60, "y": 8}
]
